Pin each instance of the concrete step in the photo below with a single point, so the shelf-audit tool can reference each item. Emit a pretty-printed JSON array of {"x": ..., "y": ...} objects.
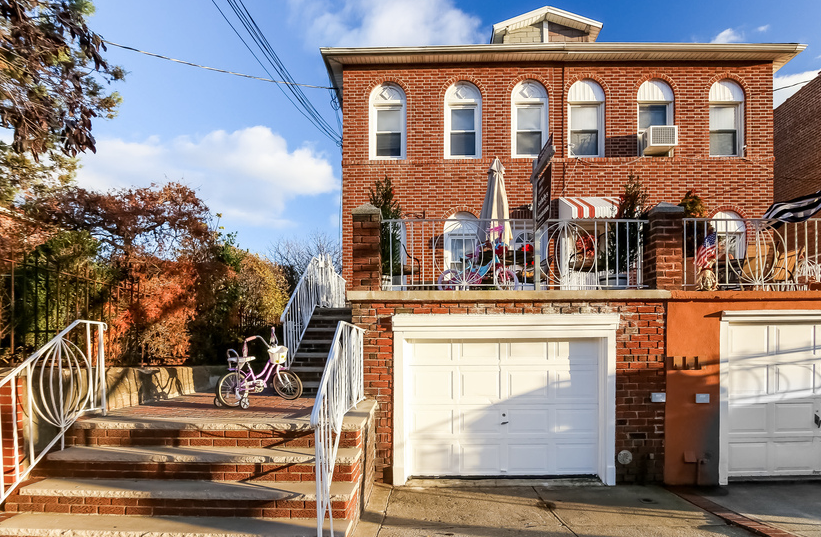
[
  {"x": 54, "y": 525},
  {"x": 299, "y": 369},
  {"x": 196, "y": 463},
  {"x": 153, "y": 497}
]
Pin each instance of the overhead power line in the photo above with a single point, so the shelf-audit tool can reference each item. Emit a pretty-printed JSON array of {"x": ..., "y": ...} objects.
[
  {"x": 292, "y": 92},
  {"x": 213, "y": 68},
  {"x": 796, "y": 84}
]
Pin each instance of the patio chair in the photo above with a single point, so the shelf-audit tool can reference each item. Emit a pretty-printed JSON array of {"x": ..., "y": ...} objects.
[
  {"x": 758, "y": 264},
  {"x": 785, "y": 264}
]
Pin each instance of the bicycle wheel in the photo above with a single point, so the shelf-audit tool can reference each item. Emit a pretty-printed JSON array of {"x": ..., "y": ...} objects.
[
  {"x": 232, "y": 388},
  {"x": 287, "y": 384},
  {"x": 506, "y": 279},
  {"x": 450, "y": 280}
]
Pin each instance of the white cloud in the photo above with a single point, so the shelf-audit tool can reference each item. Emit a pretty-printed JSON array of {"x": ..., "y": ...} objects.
[
  {"x": 763, "y": 28},
  {"x": 788, "y": 80},
  {"x": 728, "y": 36},
  {"x": 362, "y": 23},
  {"x": 248, "y": 175}
]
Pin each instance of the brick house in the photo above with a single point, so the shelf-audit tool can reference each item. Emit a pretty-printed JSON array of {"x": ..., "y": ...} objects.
[
  {"x": 797, "y": 124},
  {"x": 565, "y": 379}
]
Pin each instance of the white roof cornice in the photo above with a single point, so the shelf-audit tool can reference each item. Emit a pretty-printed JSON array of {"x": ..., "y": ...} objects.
[{"x": 547, "y": 13}]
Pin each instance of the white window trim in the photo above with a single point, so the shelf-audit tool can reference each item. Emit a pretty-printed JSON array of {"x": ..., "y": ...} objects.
[
  {"x": 475, "y": 104},
  {"x": 387, "y": 105},
  {"x": 600, "y": 120},
  {"x": 668, "y": 121},
  {"x": 523, "y": 102},
  {"x": 739, "y": 126}
]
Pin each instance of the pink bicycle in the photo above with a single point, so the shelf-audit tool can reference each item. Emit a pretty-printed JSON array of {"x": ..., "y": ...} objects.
[
  {"x": 234, "y": 387},
  {"x": 475, "y": 271}
]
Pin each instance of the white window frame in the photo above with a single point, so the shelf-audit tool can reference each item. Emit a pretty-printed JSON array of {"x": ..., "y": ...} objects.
[
  {"x": 527, "y": 94},
  {"x": 653, "y": 92},
  {"x": 461, "y": 226},
  {"x": 586, "y": 93},
  {"x": 731, "y": 229},
  {"x": 729, "y": 94},
  {"x": 388, "y": 96},
  {"x": 464, "y": 95}
]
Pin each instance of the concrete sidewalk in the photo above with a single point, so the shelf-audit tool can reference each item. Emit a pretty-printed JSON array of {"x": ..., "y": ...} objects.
[{"x": 534, "y": 508}]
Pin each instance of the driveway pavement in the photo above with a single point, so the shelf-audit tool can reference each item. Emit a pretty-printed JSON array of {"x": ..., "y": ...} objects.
[
  {"x": 525, "y": 508},
  {"x": 794, "y": 506}
]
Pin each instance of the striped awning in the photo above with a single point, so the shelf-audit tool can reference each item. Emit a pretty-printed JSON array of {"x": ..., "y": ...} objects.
[{"x": 588, "y": 207}]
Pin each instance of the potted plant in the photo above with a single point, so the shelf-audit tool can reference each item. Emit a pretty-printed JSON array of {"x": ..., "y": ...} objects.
[
  {"x": 694, "y": 231},
  {"x": 623, "y": 239},
  {"x": 381, "y": 196}
]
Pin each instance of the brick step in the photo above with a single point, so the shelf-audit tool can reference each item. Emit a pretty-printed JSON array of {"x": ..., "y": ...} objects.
[
  {"x": 151, "y": 497},
  {"x": 250, "y": 432},
  {"x": 51, "y": 525},
  {"x": 195, "y": 463}
]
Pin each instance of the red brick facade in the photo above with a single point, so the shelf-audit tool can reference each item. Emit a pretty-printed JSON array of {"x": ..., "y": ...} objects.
[
  {"x": 426, "y": 181},
  {"x": 798, "y": 143}
]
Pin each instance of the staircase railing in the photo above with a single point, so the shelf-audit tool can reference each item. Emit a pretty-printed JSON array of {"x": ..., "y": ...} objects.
[
  {"x": 61, "y": 382},
  {"x": 321, "y": 286},
  {"x": 342, "y": 387}
]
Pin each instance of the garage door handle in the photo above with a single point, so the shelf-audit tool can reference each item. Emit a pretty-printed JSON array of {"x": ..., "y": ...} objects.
[
  {"x": 506, "y": 422},
  {"x": 818, "y": 421}
]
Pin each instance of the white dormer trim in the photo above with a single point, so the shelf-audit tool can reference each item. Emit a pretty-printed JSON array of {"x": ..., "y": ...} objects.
[{"x": 550, "y": 14}]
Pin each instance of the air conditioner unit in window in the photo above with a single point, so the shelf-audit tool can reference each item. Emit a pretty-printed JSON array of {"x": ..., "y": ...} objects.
[{"x": 659, "y": 139}]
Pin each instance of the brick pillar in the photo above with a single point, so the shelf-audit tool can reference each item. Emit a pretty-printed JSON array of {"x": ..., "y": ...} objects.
[
  {"x": 366, "y": 253},
  {"x": 9, "y": 423},
  {"x": 664, "y": 247}
]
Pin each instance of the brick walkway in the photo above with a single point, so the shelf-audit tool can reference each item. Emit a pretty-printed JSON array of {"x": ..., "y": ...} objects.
[{"x": 200, "y": 406}]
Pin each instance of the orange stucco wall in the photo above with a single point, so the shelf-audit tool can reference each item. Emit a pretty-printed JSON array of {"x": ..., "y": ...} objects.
[{"x": 693, "y": 326}]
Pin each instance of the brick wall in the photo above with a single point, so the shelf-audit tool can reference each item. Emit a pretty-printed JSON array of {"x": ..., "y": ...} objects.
[
  {"x": 797, "y": 138},
  {"x": 425, "y": 181},
  {"x": 11, "y": 426},
  {"x": 639, "y": 368}
]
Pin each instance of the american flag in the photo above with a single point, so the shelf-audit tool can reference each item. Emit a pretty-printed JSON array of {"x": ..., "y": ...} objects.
[{"x": 707, "y": 251}]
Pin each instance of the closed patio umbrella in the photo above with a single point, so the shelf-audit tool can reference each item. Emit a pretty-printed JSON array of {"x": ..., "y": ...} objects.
[{"x": 495, "y": 210}]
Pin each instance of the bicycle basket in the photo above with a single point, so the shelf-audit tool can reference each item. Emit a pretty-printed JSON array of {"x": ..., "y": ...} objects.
[{"x": 277, "y": 354}]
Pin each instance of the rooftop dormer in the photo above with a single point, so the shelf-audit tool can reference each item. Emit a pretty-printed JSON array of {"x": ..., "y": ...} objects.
[{"x": 546, "y": 25}]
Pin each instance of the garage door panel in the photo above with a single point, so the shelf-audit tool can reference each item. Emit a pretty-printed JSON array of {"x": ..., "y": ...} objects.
[
  {"x": 749, "y": 340},
  {"x": 527, "y": 383},
  {"x": 748, "y": 419},
  {"x": 575, "y": 458},
  {"x": 797, "y": 338},
  {"x": 432, "y": 421},
  {"x": 433, "y": 459},
  {"x": 526, "y": 352},
  {"x": 794, "y": 417},
  {"x": 480, "y": 421},
  {"x": 528, "y": 459},
  {"x": 479, "y": 385},
  {"x": 794, "y": 378},
  {"x": 480, "y": 459},
  {"x": 576, "y": 383},
  {"x": 527, "y": 421},
  {"x": 478, "y": 352},
  {"x": 432, "y": 352},
  {"x": 578, "y": 421},
  {"x": 748, "y": 457},
  {"x": 433, "y": 384},
  {"x": 793, "y": 456},
  {"x": 747, "y": 380}
]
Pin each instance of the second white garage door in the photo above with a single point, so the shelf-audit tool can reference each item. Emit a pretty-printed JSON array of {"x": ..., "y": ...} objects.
[{"x": 502, "y": 407}]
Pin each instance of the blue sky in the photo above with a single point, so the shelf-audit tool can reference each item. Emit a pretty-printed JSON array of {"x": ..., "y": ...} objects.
[{"x": 256, "y": 160}]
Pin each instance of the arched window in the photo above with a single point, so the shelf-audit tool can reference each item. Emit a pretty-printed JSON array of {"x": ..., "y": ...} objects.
[
  {"x": 726, "y": 119},
  {"x": 731, "y": 234},
  {"x": 387, "y": 122},
  {"x": 529, "y": 117},
  {"x": 461, "y": 238},
  {"x": 585, "y": 102},
  {"x": 463, "y": 121},
  {"x": 655, "y": 106}
]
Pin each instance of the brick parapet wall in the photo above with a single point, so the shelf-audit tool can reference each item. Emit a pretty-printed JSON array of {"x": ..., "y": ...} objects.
[
  {"x": 426, "y": 181},
  {"x": 12, "y": 428},
  {"x": 797, "y": 141},
  {"x": 640, "y": 344},
  {"x": 366, "y": 266}
]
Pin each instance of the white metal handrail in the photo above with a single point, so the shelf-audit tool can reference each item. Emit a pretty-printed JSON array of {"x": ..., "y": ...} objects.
[
  {"x": 319, "y": 286},
  {"x": 342, "y": 387},
  {"x": 62, "y": 383}
]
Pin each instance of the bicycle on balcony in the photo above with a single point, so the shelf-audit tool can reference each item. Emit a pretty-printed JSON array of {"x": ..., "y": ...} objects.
[{"x": 482, "y": 268}]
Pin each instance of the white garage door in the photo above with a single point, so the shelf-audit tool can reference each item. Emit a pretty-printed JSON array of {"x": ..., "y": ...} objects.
[
  {"x": 502, "y": 407},
  {"x": 774, "y": 399}
]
